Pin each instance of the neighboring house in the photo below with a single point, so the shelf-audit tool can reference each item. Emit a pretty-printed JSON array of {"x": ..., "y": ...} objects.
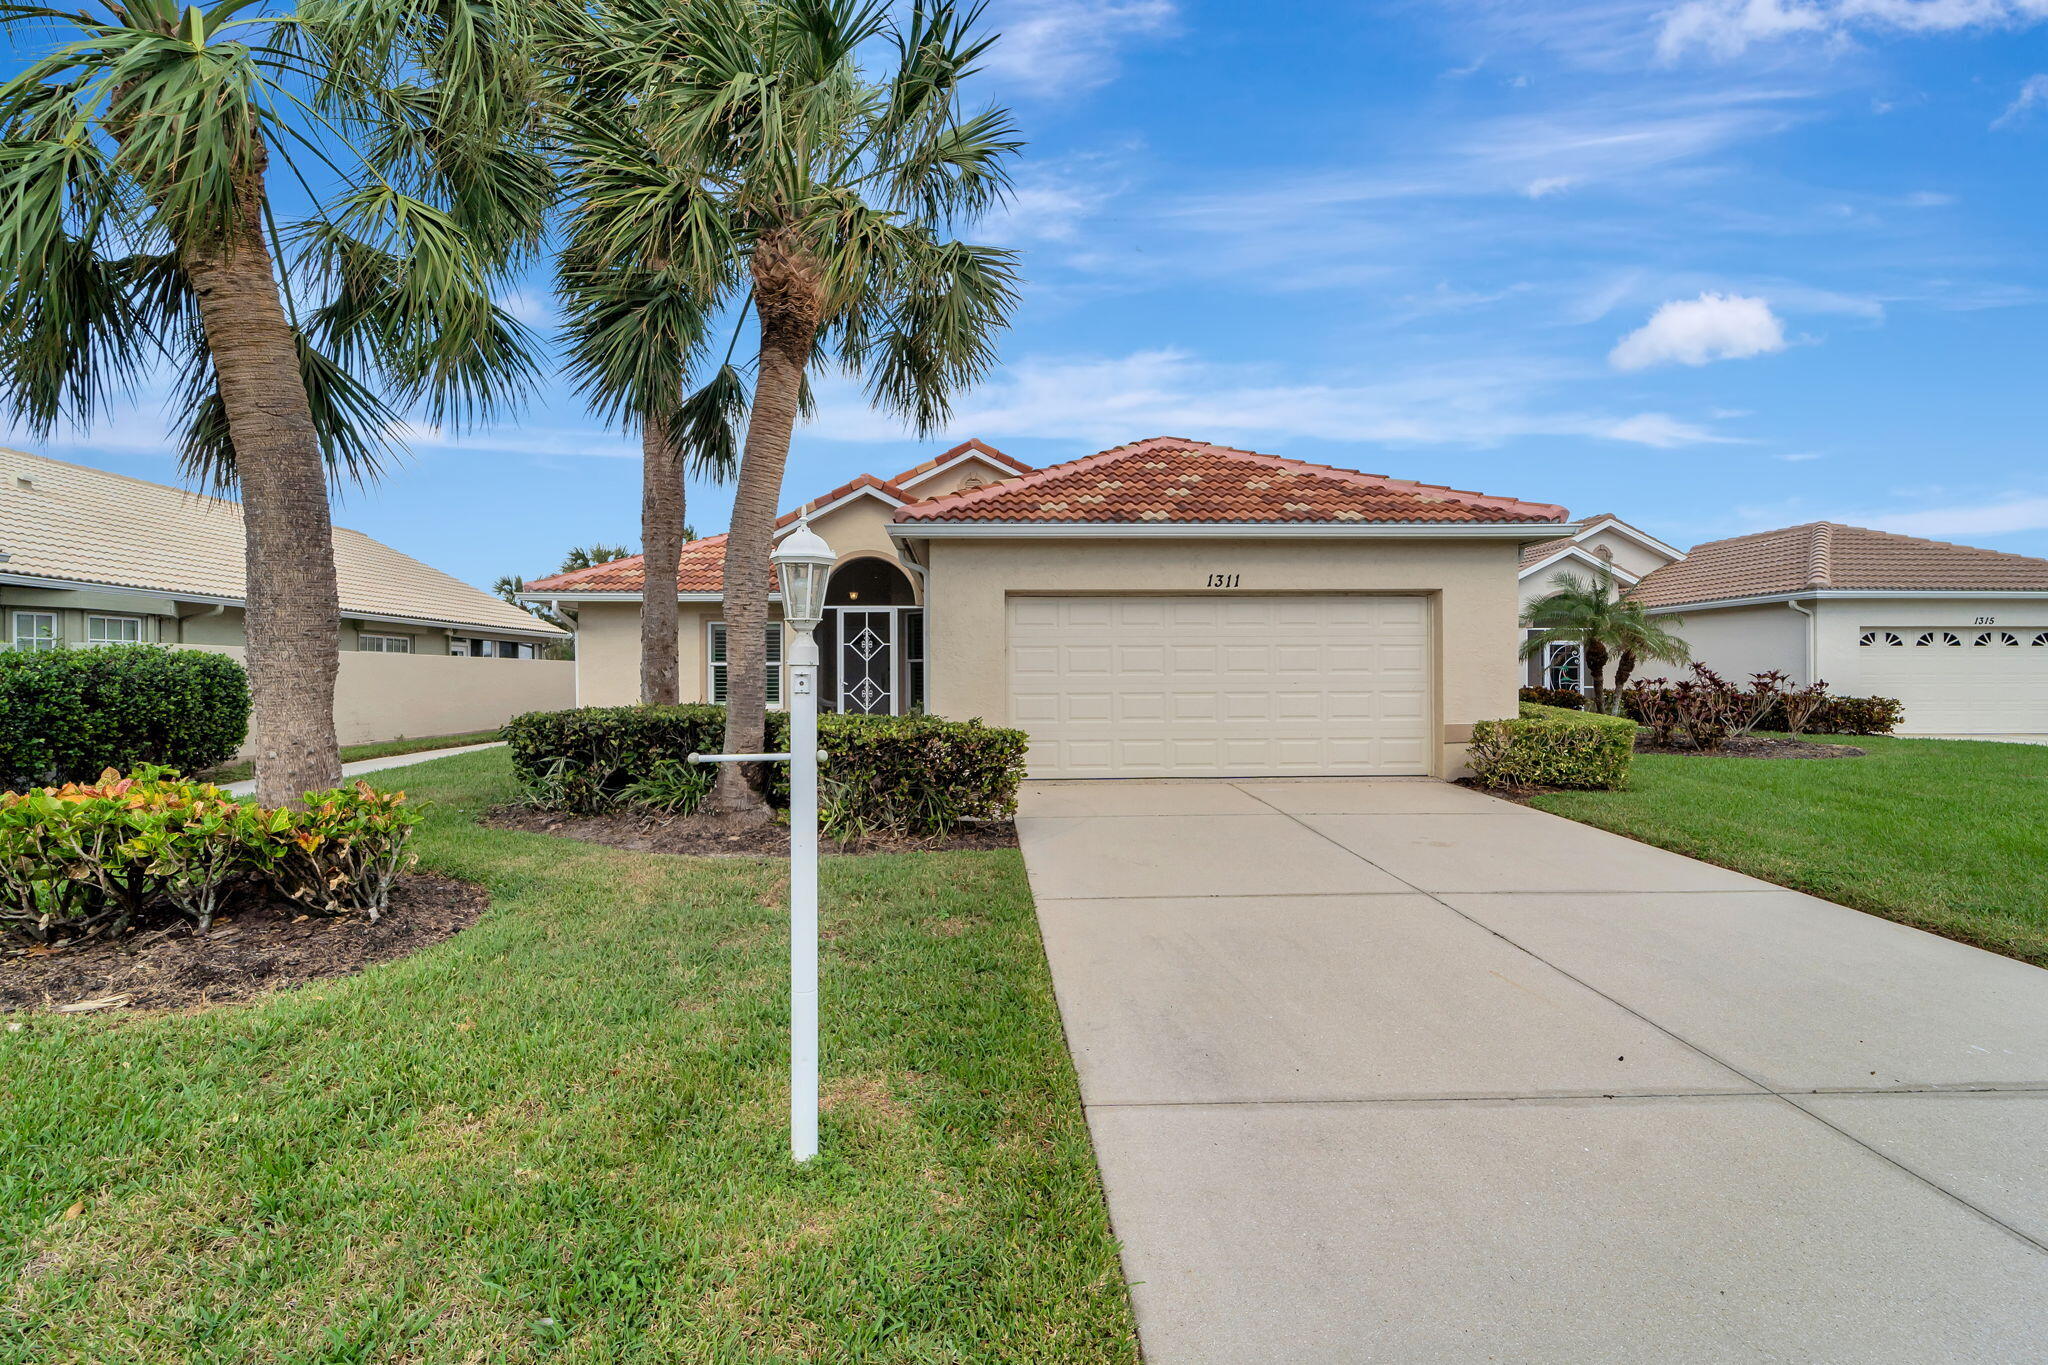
[
  {"x": 1602, "y": 542},
  {"x": 1958, "y": 634},
  {"x": 1166, "y": 608},
  {"x": 88, "y": 557}
]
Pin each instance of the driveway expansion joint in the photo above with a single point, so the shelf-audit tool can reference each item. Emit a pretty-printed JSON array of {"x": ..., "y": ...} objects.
[{"x": 1788, "y": 1098}]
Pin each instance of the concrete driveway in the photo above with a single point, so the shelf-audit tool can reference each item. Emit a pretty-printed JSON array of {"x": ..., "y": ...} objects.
[{"x": 1388, "y": 1070}]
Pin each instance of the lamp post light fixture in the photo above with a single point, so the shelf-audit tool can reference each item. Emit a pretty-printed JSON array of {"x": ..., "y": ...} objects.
[{"x": 803, "y": 565}]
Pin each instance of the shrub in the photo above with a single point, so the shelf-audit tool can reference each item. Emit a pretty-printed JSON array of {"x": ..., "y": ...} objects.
[
  {"x": 124, "y": 853},
  {"x": 1548, "y": 746},
  {"x": 584, "y": 760},
  {"x": 672, "y": 786},
  {"x": 913, "y": 774},
  {"x": 341, "y": 853},
  {"x": 1856, "y": 716},
  {"x": 1564, "y": 698},
  {"x": 904, "y": 774},
  {"x": 1705, "y": 709},
  {"x": 69, "y": 714}
]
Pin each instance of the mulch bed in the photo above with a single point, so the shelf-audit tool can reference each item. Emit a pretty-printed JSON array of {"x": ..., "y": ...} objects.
[
  {"x": 1758, "y": 746},
  {"x": 257, "y": 948},
  {"x": 708, "y": 836}
]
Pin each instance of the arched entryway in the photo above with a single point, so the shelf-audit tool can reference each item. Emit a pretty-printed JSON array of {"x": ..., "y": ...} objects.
[{"x": 871, "y": 643}]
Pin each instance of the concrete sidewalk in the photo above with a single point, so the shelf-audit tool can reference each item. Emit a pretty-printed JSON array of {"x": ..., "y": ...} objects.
[
  {"x": 1394, "y": 1071},
  {"x": 376, "y": 765}
]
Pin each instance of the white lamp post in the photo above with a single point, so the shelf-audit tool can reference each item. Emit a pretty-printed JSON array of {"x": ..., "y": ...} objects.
[{"x": 803, "y": 564}]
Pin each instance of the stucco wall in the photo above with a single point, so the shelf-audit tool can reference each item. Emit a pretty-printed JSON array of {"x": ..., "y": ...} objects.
[
  {"x": 608, "y": 651},
  {"x": 1738, "y": 641},
  {"x": 402, "y": 696},
  {"x": 1471, "y": 585}
]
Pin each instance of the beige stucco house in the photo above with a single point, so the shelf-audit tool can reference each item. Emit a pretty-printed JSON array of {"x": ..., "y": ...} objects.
[
  {"x": 91, "y": 558},
  {"x": 1165, "y": 608},
  {"x": 1602, "y": 542},
  {"x": 1958, "y": 634}
]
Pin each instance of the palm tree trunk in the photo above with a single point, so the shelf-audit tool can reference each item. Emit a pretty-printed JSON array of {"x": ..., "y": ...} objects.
[
  {"x": 787, "y": 298},
  {"x": 1593, "y": 659},
  {"x": 293, "y": 620},
  {"x": 1624, "y": 669},
  {"x": 661, "y": 535}
]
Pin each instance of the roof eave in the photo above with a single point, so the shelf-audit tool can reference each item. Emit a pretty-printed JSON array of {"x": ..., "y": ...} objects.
[
  {"x": 1824, "y": 594},
  {"x": 540, "y": 630},
  {"x": 1520, "y": 531}
]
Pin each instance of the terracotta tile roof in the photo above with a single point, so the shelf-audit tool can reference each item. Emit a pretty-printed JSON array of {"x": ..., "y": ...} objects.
[
  {"x": 1827, "y": 555},
  {"x": 84, "y": 525},
  {"x": 700, "y": 569},
  {"x": 1171, "y": 479},
  {"x": 986, "y": 451},
  {"x": 702, "y": 565}
]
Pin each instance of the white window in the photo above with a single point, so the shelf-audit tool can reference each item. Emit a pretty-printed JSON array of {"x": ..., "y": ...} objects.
[
  {"x": 716, "y": 655},
  {"x": 113, "y": 630},
  {"x": 385, "y": 644},
  {"x": 35, "y": 630}
]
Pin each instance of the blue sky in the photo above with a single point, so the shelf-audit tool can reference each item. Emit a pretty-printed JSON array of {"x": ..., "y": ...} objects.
[{"x": 1714, "y": 266}]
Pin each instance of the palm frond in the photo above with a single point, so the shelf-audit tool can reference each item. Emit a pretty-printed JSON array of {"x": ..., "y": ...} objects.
[{"x": 354, "y": 424}]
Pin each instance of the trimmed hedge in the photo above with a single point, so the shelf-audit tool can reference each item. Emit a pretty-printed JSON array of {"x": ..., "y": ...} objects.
[
  {"x": 1547, "y": 746},
  {"x": 1834, "y": 715},
  {"x": 66, "y": 715},
  {"x": 905, "y": 774},
  {"x": 1563, "y": 698},
  {"x": 1847, "y": 716}
]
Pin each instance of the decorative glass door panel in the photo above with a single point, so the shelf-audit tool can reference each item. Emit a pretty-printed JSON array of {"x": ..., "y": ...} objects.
[{"x": 867, "y": 661}]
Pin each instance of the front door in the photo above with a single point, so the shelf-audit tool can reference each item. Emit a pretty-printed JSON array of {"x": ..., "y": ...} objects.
[{"x": 867, "y": 661}]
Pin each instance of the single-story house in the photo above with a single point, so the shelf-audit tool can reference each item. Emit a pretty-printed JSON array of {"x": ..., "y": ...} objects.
[
  {"x": 93, "y": 558},
  {"x": 1601, "y": 542},
  {"x": 88, "y": 557},
  {"x": 1957, "y": 633},
  {"x": 1164, "y": 608}
]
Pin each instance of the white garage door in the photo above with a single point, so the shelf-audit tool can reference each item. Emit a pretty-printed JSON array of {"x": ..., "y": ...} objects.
[
  {"x": 1962, "y": 680},
  {"x": 1221, "y": 686}
]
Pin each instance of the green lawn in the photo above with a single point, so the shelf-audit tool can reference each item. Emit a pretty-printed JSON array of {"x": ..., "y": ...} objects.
[
  {"x": 561, "y": 1135},
  {"x": 383, "y": 748},
  {"x": 1949, "y": 835}
]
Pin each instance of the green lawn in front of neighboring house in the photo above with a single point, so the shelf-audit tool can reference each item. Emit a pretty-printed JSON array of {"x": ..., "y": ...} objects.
[
  {"x": 561, "y": 1135},
  {"x": 243, "y": 770},
  {"x": 1948, "y": 835}
]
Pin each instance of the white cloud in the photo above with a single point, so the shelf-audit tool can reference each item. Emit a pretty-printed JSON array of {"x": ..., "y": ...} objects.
[
  {"x": 1104, "y": 400},
  {"x": 2003, "y": 516},
  {"x": 1802, "y": 456},
  {"x": 519, "y": 439},
  {"x": 1058, "y": 46},
  {"x": 1547, "y": 185},
  {"x": 1695, "y": 331},
  {"x": 1729, "y": 28},
  {"x": 2033, "y": 94}
]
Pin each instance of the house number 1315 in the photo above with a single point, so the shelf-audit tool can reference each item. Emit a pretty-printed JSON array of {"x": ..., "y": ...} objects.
[{"x": 1225, "y": 580}]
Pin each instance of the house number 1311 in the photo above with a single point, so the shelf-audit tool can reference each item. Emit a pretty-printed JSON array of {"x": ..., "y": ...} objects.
[{"x": 1225, "y": 580}]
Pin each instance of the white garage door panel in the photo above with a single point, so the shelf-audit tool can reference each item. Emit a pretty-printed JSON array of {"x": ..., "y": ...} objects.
[
  {"x": 1999, "y": 687},
  {"x": 1213, "y": 687}
]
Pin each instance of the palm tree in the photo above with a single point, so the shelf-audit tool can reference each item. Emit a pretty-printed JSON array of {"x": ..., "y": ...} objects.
[
  {"x": 138, "y": 230},
  {"x": 597, "y": 552},
  {"x": 636, "y": 318},
  {"x": 815, "y": 199},
  {"x": 1603, "y": 624}
]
